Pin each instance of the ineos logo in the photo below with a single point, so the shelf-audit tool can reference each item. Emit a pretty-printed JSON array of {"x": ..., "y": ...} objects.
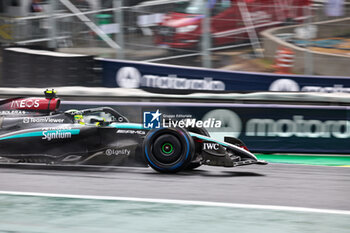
[
  {"x": 284, "y": 85},
  {"x": 128, "y": 77},
  {"x": 26, "y": 103},
  {"x": 231, "y": 123}
]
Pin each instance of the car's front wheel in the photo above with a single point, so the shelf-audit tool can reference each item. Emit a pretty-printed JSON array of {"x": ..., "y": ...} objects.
[
  {"x": 201, "y": 131},
  {"x": 168, "y": 150}
]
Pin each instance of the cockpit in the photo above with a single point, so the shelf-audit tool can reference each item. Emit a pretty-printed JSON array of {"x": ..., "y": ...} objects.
[{"x": 96, "y": 116}]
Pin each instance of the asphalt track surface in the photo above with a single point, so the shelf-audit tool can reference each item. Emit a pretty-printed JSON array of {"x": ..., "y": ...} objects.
[{"x": 275, "y": 184}]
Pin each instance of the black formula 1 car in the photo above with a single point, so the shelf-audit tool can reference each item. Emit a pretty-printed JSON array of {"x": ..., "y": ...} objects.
[{"x": 32, "y": 130}]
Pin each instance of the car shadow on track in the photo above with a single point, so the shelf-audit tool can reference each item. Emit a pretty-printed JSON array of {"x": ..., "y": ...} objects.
[
  {"x": 209, "y": 173},
  {"x": 139, "y": 170}
]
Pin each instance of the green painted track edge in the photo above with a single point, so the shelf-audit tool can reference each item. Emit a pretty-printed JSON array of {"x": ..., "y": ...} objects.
[{"x": 323, "y": 160}]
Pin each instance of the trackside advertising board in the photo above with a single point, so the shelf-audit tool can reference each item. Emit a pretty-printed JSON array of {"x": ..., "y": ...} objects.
[
  {"x": 263, "y": 127},
  {"x": 145, "y": 75}
]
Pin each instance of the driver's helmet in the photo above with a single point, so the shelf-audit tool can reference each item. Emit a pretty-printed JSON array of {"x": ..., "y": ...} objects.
[{"x": 78, "y": 116}]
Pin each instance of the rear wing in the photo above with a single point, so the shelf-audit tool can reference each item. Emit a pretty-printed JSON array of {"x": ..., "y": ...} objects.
[{"x": 29, "y": 105}]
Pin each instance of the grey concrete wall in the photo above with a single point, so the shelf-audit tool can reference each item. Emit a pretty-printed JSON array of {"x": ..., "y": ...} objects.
[{"x": 323, "y": 63}]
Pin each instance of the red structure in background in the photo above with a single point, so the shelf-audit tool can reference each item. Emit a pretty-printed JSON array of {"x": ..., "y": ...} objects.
[
  {"x": 231, "y": 20},
  {"x": 284, "y": 61}
]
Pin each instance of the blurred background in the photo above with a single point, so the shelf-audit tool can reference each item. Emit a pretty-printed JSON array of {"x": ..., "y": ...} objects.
[
  {"x": 275, "y": 73},
  {"x": 237, "y": 35}
]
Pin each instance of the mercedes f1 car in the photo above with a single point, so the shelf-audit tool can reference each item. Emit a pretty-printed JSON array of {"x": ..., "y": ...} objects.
[{"x": 32, "y": 130}]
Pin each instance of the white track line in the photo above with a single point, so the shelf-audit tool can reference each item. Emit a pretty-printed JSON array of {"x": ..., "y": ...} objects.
[{"x": 182, "y": 202}]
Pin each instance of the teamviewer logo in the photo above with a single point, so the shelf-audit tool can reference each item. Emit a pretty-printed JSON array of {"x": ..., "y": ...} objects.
[{"x": 151, "y": 120}]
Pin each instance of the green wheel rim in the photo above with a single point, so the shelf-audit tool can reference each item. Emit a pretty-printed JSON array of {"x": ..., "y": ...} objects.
[{"x": 166, "y": 151}]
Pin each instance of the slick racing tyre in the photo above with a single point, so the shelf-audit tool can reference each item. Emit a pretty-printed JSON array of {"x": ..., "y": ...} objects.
[
  {"x": 168, "y": 150},
  {"x": 201, "y": 131}
]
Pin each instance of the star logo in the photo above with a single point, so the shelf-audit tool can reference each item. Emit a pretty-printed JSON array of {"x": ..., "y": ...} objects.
[
  {"x": 156, "y": 115},
  {"x": 151, "y": 120}
]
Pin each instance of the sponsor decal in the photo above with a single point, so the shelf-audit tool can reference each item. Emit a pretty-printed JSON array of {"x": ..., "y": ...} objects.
[
  {"x": 45, "y": 135},
  {"x": 286, "y": 85},
  {"x": 131, "y": 131},
  {"x": 130, "y": 77},
  {"x": 231, "y": 123},
  {"x": 337, "y": 88},
  {"x": 27, "y": 120},
  {"x": 177, "y": 115},
  {"x": 152, "y": 120},
  {"x": 17, "y": 112},
  {"x": 185, "y": 123},
  {"x": 298, "y": 127},
  {"x": 57, "y": 128},
  {"x": 26, "y": 103},
  {"x": 210, "y": 146},
  {"x": 118, "y": 152},
  {"x": 58, "y": 134}
]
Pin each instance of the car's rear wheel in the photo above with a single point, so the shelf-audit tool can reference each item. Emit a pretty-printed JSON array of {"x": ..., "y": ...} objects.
[{"x": 168, "y": 150}]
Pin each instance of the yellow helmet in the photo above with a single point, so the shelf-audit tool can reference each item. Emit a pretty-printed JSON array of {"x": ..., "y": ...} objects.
[{"x": 78, "y": 117}]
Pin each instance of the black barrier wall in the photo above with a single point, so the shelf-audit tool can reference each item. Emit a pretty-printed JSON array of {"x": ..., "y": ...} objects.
[
  {"x": 263, "y": 127},
  {"x": 38, "y": 68}
]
